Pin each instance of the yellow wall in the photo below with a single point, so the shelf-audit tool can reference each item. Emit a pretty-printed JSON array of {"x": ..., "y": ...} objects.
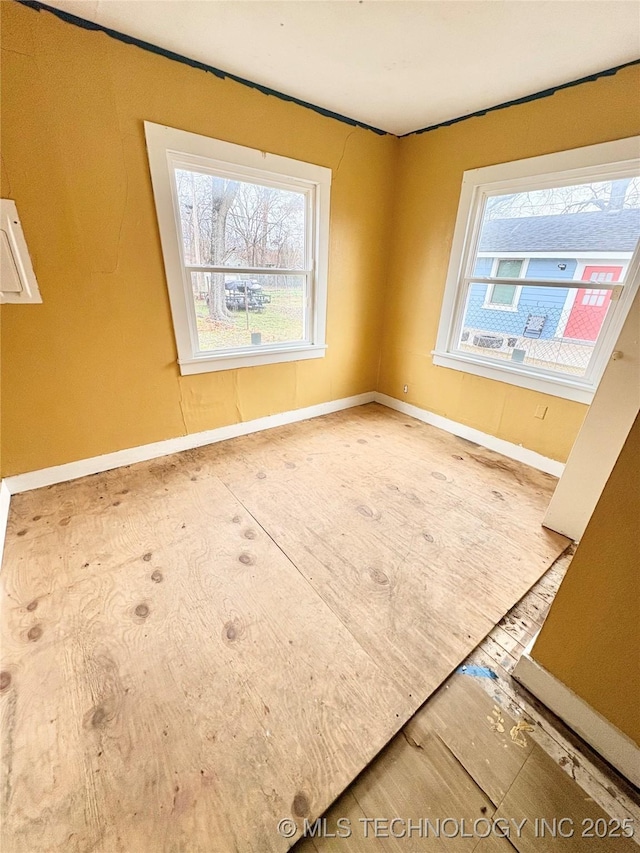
[
  {"x": 93, "y": 369},
  {"x": 428, "y": 188},
  {"x": 591, "y": 638}
]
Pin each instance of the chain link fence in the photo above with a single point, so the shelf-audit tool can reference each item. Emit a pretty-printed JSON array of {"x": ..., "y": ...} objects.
[{"x": 534, "y": 332}]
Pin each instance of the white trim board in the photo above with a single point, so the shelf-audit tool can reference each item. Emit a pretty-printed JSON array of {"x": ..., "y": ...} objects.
[
  {"x": 499, "y": 445},
  {"x": 96, "y": 464},
  {"x": 602, "y": 435},
  {"x": 608, "y": 741},
  {"x": 120, "y": 458},
  {"x": 5, "y": 499}
]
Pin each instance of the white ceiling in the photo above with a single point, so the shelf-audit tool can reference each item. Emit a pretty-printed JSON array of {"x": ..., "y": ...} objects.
[{"x": 392, "y": 64}]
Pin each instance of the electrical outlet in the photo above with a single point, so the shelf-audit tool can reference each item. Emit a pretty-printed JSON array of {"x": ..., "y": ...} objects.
[
  {"x": 405, "y": 388},
  {"x": 541, "y": 412}
]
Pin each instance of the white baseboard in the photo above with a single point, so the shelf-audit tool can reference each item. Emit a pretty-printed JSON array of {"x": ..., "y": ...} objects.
[
  {"x": 608, "y": 741},
  {"x": 506, "y": 448},
  {"x": 120, "y": 458},
  {"x": 96, "y": 464}
]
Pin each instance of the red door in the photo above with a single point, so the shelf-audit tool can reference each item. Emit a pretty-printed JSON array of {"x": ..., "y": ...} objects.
[{"x": 591, "y": 304}]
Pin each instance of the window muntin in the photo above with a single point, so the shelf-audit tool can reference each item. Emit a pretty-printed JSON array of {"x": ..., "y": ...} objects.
[
  {"x": 245, "y": 242},
  {"x": 552, "y": 332},
  {"x": 538, "y": 345},
  {"x": 594, "y": 297}
]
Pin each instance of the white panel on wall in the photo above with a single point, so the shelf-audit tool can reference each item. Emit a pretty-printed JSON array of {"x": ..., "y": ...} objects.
[{"x": 17, "y": 279}]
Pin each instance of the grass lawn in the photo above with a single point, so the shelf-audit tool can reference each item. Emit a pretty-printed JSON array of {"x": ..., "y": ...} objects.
[{"x": 280, "y": 320}]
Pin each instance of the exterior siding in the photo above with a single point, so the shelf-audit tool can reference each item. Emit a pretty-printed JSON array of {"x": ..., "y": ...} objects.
[
  {"x": 483, "y": 266},
  {"x": 548, "y": 268},
  {"x": 536, "y": 301}
]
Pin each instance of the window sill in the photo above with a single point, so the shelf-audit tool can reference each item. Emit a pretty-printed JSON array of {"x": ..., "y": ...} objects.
[
  {"x": 227, "y": 361},
  {"x": 556, "y": 387}
]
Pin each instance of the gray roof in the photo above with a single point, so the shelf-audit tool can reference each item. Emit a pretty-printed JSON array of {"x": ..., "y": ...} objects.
[{"x": 615, "y": 230}]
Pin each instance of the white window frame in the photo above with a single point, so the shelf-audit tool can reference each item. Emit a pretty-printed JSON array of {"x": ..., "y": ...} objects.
[
  {"x": 168, "y": 147},
  {"x": 495, "y": 306},
  {"x": 606, "y": 161}
]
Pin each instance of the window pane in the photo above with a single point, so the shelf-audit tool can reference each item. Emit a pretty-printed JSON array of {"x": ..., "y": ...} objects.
[
  {"x": 603, "y": 216},
  {"x": 556, "y": 227},
  {"x": 580, "y": 233},
  {"x": 508, "y": 269},
  {"x": 239, "y": 224},
  {"x": 240, "y": 311},
  {"x": 503, "y": 294},
  {"x": 552, "y": 328}
]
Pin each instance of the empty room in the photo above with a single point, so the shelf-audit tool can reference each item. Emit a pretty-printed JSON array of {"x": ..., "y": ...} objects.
[{"x": 320, "y": 434}]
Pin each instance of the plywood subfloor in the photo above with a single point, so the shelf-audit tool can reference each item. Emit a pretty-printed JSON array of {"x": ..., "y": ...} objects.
[{"x": 195, "y": 648}]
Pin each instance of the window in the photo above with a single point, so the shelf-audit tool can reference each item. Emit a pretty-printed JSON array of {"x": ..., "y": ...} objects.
[
  {"x": 245, "y": 242},
  {"x": 509, "y": 269},
  {"x": 543, "y": 269},
  {"x": 504, "y": 297},
  {"x": 594, "y": 297}
]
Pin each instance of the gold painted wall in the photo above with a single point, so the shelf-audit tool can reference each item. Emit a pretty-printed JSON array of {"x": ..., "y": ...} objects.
[
  {"x": 428, "y": 187},
  {"x": 93, "y": 369},
  {"x": 591, "y": 638}
]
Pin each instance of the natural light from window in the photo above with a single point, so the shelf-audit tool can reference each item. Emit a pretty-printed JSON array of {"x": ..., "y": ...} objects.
[
  {"x": 245, "y": 241},
  {"x": 551, "y": 246},
  {"x": 542, "y": 272},
  {"x": 543, "y": 269},
  {"x": 236, "y": 224}
]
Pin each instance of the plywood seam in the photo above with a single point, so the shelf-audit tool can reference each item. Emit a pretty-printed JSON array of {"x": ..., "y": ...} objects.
[{"x": 306, "y": 580}]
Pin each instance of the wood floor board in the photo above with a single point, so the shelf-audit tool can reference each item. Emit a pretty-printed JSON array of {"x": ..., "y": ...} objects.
[
  {"x": 508, "y": 642},
  {"x": 360, "y": 553},
  {"x": 505, "y": 660},
  {"x": 542, "y": 791},
  {"x": 414, "y": 781},
  {"x": 478, "y": 732},
  {"x": 494, "y": 844},
  {"x": 79, "y": 533},
  {"x": 383, "y": 585},
  {"x": 386, "y": 810},
  {"x": 198, "y": 646},
  {"x": 341, "y": 830},
  {"x": 518, "y": 624},
  {"x": 574, "y": 758}
]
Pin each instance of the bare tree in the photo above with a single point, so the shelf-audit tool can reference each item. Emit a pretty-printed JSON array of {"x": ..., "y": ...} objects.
[
  {"x": 222, "y": 199},
  {"x": 601, "y": 199},
  {"x": 235, "y": 223},
  {"x": 605, "y": 196},
  {"x": 266, "y": 225},
  {"x": 205, "y": 201}
]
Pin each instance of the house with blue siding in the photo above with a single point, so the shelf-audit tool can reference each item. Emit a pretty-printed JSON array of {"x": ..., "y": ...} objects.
[{"x": 590, "y": 247}]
